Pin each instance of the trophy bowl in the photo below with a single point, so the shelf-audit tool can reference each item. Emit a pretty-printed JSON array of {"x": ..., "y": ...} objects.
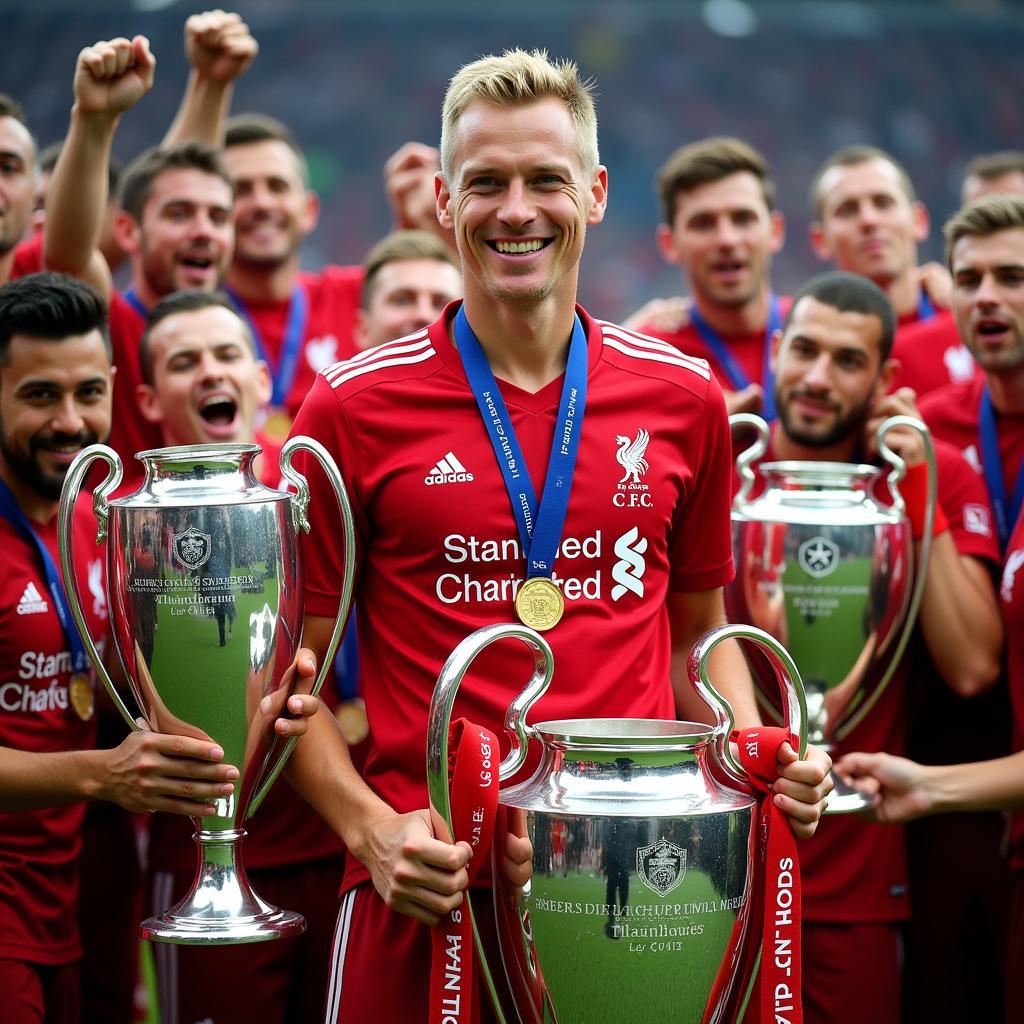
[{"x": 205, "y": 583}]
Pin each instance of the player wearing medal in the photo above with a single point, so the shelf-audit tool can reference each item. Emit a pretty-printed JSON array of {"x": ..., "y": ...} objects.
[
  {"x": 832, "y": 369},
  {"x": 607, "y": 485},
  {"x": 55, "y": 398}
]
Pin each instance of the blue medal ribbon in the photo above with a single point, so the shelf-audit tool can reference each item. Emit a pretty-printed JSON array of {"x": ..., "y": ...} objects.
[
  {"x": 719, "y": 348},
  {"x": 540, "y": 527},
  {"x": 11, "y": 511},
  {"x": 925, "y": 309},
  {"x": 132, "y": 298},
  {"x": 295, "y": 326},
  {"x": 1006, "y": 514}
]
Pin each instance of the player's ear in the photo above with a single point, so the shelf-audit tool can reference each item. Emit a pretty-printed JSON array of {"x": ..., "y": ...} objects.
[
  {"x": 443, "y": 199},
  {"x": 149, "y": 404},
  {"x": 598, "y": 196},
  {"x": 817, "y": 239},
  {"x": 126, "y": 232}
]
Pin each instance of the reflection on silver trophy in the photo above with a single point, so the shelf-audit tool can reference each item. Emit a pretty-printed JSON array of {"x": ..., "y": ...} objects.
[
  {"x": 640, "y": 901},
  {"x": 830, "y": 571},
  {"x": 205, "y": 578}
]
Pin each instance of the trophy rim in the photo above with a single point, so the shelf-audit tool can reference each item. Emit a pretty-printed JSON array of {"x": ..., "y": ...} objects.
[
  {"x": 624, "y": 733},
  {"x": 187, "y": 450},
  {"x": 810, "y": 468}
]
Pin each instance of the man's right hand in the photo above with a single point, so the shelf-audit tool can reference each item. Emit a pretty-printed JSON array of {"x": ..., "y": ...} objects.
[
  {"x": 112, "y": 76},
  {"x": 151, "y": 771},
  {"x": 413, "y": 872}
]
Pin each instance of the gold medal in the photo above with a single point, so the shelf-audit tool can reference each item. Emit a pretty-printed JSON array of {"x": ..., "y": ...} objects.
[
  {"x": 351, "y": 716},
  {"x": 80, "y": 694},
  {"x": 277, "y": 424},
  {"x": 539, "y": 603}
]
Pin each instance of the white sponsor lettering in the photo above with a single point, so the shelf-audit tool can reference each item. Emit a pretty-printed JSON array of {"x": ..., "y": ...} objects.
[
  {"x": 459, "y": 548},
  {"x": 20, "y": 697}
]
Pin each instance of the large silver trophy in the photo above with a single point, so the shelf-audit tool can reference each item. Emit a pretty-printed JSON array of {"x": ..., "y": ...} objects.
[
  {"x": 644, "y": 839},
  {"x": 205, "y": 583},
  {"x": 831, "y": 572}
]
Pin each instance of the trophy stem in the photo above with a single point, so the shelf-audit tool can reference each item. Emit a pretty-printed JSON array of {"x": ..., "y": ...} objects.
[{"x": 221, "y": 908}]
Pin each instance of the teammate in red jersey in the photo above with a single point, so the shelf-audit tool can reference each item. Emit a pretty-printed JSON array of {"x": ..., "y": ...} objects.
[
  {"x": 55, "y": 398},
  {"x": 868, "y": 220},
  {"x": 641, "y": 558},
  {"x": 721, "y": 227},
  {"x": 993, "y": 174},
  {"x": 832, "y": 370},
  {"x": 408, "y": 279},
  {"x": 18, "y": 151}
]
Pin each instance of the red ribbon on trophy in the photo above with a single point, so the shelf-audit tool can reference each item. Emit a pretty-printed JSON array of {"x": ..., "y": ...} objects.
[{"x": 473, "y": 780}]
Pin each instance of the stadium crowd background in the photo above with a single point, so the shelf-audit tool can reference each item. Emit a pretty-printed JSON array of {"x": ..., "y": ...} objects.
[{"x": 932, "y": 83}]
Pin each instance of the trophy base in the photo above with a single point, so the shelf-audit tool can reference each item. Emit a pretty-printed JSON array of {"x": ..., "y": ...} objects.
[
  {"x": 845, "y": 799},
  {"x": 221, "y": 908}
]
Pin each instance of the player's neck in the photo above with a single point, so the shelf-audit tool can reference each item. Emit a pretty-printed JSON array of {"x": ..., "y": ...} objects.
[
  {"x": 526, "y": 345},
  {"x": 6, "y": 266},
  {"x": 1007, "y": 391},
  {"x": 786, "y": 449},
  {"x": 145, "y": 294},
  {"x": 34, "y": 505},
  {"x": 263, "y": 282},
  {"x": 748, "y": 318},
  {"x": 903, "y": 292}
]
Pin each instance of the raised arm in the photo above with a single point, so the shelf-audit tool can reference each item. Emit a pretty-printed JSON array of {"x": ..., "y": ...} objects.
[
  {"x": 110, "y": 78},
  {"x": 219, "y": 49}
]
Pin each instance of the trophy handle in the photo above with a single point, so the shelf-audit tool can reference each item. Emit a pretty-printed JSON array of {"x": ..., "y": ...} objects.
[
  {"x": 896, "y": 474},
  {"x": 439, "y": 725},
  {"x": 299, "y": 506},
  {"x": 786, "y": 673},
  {"x": 749, "y": 455},
  {"x": 65, "y": 543}
]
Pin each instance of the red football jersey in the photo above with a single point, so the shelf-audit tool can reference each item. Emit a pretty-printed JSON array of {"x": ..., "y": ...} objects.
[
  {"x": 28, "y": 257},
  {"x": 1011, "y": 599},
  {"x": 333, "y": 295},
  {"x": 439, "y": 553},
  {"x": 931, "y": 355},
  {"x": 39, "y": 849},
  {"x": 952, "y": 415},
  {"x": 855, "y": 870}
]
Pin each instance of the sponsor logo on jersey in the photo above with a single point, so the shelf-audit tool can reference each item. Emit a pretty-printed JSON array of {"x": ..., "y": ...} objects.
[
  {"x": 630, "y": 491},
  {"x": 662, "y": 866},
  {"x": 818, "y": 557},
  {"x": 970, "y": 453},
  {"x": 628, "y": 571},
  {"x": 959, "y": 363},
  {"x": 32, "y": 602},
  {"x": 448, "y": 471},
  {"x": 977, "y": 519},
  {"x": 96, "y": 588},
  {"x": 1010, "y": 570},
  {"x": 321, "y": 352}
]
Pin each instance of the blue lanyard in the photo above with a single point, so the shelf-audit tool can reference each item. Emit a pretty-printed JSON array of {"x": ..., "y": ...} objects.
[
  {"x": 11, "y": 511},
  {"x": 132, "y": 296},
  {"x": 294, "y": 332},
  {"x": 992, "y": 463},
  {"x": 925, "y": 309},
  {"x": 719, "y": 347},
  {"x": 540, "y": 527}
]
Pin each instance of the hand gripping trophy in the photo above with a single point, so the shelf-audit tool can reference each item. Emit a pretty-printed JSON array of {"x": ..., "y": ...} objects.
[{"x": 205, "y": 581}]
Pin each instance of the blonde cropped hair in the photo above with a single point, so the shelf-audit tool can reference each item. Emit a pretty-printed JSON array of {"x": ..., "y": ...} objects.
[{"x": 516, "y": 78}]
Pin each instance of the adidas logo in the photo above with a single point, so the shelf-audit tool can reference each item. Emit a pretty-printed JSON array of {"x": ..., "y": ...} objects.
[
  {"x": 31, "y": 602},
  {"x": 448, "y": 471}
]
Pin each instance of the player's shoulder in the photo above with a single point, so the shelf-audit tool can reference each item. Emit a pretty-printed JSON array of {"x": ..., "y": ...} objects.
[
  {"x": 952, "y": 402},
  {"x": 655, "y": 359}
]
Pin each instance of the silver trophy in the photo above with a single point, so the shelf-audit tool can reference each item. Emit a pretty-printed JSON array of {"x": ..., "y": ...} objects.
[
  {"x": 205, "y": 583},
  {"x": 643, "y": 832},
  {"x": 831, "y": 572}
]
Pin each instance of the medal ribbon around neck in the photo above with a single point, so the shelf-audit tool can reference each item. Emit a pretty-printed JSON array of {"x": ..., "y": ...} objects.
[
  {"x": 719, "y": 348},
  {"x": 11, "y": 511},
  {"x": 540, "y": 526},
  {"x": 294, "y": 332},
  {"x": 988, "y": 433}
]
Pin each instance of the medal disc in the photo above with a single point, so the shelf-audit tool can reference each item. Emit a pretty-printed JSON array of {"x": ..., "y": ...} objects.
[
  {"x": 277, "y": 425},
  {"x": 80, "y": 694},
  {"x": 351, "y": 716},
  {"x": 539, "y": 604}
]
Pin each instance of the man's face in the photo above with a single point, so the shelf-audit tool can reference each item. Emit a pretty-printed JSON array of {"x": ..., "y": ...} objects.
[
  {"x": 17, "y": 181},
  {"x": 406, "y": 295},
  {"x": 828, "y": 371},
  {"x": 988, "y": 298},
  {"x": 723, "y": 236},
  {"x": 186, "y": 235},
  {"x": 55, "y": 400},
  {"x": 208, "y": 386},
  {"x": 1010, "y": 184},
  {"x": 274, "y": 211},
  {"x": 520, "y": 201},
  {"x": 868, "y": 224}
]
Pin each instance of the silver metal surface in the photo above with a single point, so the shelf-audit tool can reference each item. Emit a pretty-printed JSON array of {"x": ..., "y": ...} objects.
[
  {"x": 638, "y": 906},
  {"x": 205, "y": 583}
]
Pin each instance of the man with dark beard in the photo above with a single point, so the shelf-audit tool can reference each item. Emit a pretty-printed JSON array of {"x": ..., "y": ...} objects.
[{"x": 832, "y": 368}]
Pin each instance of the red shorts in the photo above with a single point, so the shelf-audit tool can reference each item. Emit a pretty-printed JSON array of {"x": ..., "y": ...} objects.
[
  {"x": 851, "y": 974},
  {"x": 39, "y": 993},
  {"x": 380, "y": 970},
  {"x": 279, "y": 982}
]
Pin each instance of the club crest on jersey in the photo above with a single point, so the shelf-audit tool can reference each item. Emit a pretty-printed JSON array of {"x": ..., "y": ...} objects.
[
  {"x": 192, "y": 548},
  {"x": 630, "y": 491},
  {"x": 448, "y": 471},
  {"x": 662, "y": 866},
  {"x": 818, "y": 557}
]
